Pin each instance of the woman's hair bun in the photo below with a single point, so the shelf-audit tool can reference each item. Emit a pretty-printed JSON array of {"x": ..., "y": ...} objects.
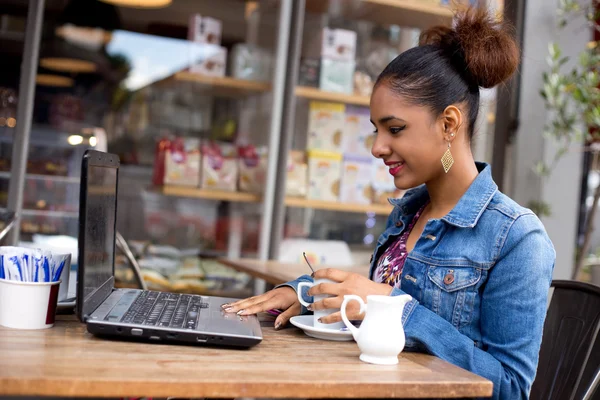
[{"x": 489, "y": 51}]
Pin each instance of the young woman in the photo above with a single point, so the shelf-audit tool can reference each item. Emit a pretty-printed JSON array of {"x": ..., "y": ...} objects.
[{"x": 477, "y": 265}]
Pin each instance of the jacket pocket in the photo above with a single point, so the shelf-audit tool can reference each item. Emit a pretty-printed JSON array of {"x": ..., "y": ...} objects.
[{"x": 452, "y": 292}]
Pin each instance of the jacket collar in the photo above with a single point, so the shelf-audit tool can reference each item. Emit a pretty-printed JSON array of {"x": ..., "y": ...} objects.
[{"x": 469, "y": 208}]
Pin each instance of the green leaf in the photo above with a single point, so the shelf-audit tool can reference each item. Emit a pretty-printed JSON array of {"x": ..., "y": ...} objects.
[
  {"x": 545, "y": 77},
  {"x": 560, "y": 153},
  {"x": 540, "y": 208},
  {"x": 563, "y": 61},
  {"x": 584, "y": 59},
  {"x": 554, "y": 50},
  {"x": 541, "y": 169},
  {"x": 554, "y": 79}
]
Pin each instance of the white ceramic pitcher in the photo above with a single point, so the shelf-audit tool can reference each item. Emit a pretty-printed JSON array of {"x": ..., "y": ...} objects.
[{"x": 381, "y": 334}]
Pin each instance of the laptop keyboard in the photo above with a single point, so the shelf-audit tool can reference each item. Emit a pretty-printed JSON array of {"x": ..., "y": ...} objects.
[{"x": 172, "y": 310}]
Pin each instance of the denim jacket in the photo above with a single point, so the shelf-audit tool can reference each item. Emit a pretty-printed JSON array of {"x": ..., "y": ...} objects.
[{"x": 479, "y": 278}]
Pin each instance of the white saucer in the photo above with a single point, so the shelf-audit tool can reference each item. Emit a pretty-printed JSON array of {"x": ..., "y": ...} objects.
[{"x": 305, "y": 322}]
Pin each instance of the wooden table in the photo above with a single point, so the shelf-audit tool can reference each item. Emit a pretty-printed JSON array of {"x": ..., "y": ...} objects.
[
  {"x": 67, "y": 361},
  {"x": 275, "y": 272}
]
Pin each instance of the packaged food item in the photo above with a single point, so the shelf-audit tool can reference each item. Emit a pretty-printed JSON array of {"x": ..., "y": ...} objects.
[
  {"x": 219, "y": 166},
  {"x": 381, "y": 48},
  {"x": 252, "y": 164},
  {"x": 182, "y": 162},
  {"x": 356, "y": 180},
  {"x": 363, "y": 84},
  {"x": 309, "y": 72},
  {"x": 358, "y": 135},
  {"x": 296, "y": 181},
  {"x": 160, "y": 153},
  {"x": 338, "y": 44},
  {"x": 204, "y": 30},
  {"x": 324, "y": 173},
  {"x": 325, "y": 126},
  {"x": 155, "y": 280},
  {"x": 383, "y": 184},
  {"x": 250, "y": 62},
  {"x": 209, "y": 60},
  {"x": 337, "y": 76}
]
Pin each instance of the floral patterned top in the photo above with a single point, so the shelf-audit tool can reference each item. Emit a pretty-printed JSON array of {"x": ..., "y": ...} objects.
[{"x": 391, "y": 262}]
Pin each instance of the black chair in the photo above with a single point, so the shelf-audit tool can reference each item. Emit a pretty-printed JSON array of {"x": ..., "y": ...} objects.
[
  {"x": 591, "y": 392},
  {"x": 589, "y": 388},
  {"x": 570, "y": 351}
]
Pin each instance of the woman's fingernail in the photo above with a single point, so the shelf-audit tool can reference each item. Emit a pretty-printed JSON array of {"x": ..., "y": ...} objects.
[
  {"x": 226, "y": 305},
  {"x": 240, "y": 312},
  {"x": 277, "y": 325},
  {"x": 309, "y": 307},
  {"x": 320, "y": 320},
  {"x": 228, "y": 309}
]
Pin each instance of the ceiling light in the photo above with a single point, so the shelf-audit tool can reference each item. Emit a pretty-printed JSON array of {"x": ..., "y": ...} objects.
[
  {"x": 89, "y": 38},
  {"x": 251, "y": 7},
  {"x": 74, "y": 140},
  {"x": 64, "y": 64},
  {"x": 93, "y": 141},
  {"x": 11, "y": 122},
  {"x": 139, "y": 3},
  {"x": 54, "y": 80}
]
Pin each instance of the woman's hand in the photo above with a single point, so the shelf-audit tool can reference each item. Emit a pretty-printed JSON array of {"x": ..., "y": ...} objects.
[
  {"x": 283, "y": 298},
  {"x": 347, "y": 283}
]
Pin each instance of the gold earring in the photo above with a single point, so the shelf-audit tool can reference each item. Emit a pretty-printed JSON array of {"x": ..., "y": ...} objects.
[{"x": 447, "y": 159}]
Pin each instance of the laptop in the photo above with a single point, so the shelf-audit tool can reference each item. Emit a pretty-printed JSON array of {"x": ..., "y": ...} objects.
[{"x": 132, "y": 313}]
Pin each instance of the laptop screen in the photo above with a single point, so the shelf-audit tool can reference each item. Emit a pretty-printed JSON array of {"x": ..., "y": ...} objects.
[{"x": 100, "y": 214}]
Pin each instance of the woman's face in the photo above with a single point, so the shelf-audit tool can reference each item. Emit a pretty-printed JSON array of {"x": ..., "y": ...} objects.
[{"x": 407, "y": 138}]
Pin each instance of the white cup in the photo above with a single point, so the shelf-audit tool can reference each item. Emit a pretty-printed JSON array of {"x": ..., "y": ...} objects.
[
  {"x": 28, "y": 305},
  {"x": 319, "y": 313}
]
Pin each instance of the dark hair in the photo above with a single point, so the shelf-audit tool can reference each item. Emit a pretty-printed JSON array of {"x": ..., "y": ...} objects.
[{"x": 451, "y": 64}]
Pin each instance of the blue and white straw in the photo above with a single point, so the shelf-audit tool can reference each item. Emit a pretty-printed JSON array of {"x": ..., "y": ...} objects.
[{"x": 31, "y": 265}]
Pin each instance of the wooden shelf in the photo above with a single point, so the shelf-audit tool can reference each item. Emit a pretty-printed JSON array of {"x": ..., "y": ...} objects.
[
  {"x": 317, "y": 94},
  {"x": 380, "y": 209},
  {"x": 225, "y": 86},
  {"x": 40, "y": 177},
  {"x": 414, "y": 13},
  {"x": 46, "y": 213},
  {"x": 50, "y": 213},
  {"x": 183, "y": 191}
]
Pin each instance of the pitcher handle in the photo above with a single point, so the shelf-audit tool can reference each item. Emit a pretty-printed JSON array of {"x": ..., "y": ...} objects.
[
  {"x": 363, "y": 308},
  {"x": 300, "y": 286}
]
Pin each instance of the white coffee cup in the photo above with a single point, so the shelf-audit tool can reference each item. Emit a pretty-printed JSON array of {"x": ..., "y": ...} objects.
[
  {"x": 319, "y": 313},
  {"x": 28, "y": 305}
]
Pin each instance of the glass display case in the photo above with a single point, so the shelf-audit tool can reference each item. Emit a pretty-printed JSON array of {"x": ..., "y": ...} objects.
[
  {"x": 242, "y": 128},
  {"x": 186, "y": 97},
  {"x": 51, "y": 194}
]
